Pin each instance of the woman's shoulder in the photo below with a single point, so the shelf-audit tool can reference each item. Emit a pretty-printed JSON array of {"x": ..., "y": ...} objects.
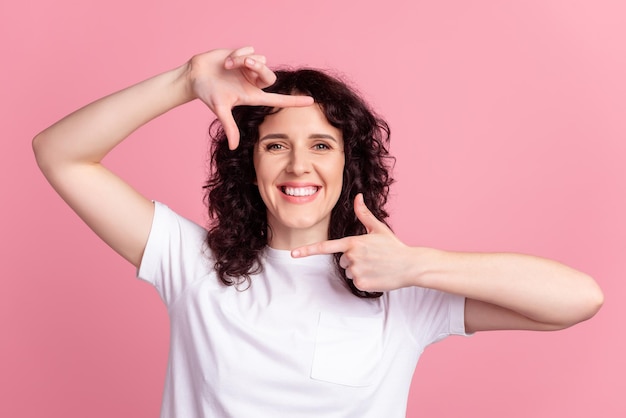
[
  {"x": 166, "y": 217},
  {"x": 182, "y": 236},
  {"x": 176, "y": 253}
]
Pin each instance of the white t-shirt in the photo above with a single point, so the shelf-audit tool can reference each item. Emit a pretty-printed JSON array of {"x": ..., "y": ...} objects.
[{"x": 296, "y": 343}]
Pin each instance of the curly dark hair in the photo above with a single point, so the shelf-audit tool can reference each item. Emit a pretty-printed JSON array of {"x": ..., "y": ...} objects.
[{"x": 238, "y": 220}]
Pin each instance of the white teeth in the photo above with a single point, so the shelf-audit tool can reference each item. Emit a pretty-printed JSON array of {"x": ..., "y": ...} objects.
[{"x": 300, "y": 191}]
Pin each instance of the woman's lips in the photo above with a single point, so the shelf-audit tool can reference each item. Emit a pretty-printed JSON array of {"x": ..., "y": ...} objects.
[{"x": 299, "y": 191}]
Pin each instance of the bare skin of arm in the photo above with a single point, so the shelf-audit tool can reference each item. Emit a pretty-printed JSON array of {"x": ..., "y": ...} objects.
[
  {"x": 70, "y": 152},
  {"x": 502, "y": 290}
]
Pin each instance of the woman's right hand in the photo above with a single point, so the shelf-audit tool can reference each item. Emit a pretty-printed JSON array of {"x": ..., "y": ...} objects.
[{"x": 225, "y": 78}]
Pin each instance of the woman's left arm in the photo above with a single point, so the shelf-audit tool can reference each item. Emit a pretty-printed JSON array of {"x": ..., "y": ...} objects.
[
  {"x": 503, "y": 291},
  {"x": 509, "y": 291}
]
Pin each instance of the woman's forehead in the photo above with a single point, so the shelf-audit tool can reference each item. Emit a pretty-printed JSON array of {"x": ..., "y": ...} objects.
[{"x": 297, "y": 121}]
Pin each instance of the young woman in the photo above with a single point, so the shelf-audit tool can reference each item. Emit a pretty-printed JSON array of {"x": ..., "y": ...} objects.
[{"x": 299, "y": 300}]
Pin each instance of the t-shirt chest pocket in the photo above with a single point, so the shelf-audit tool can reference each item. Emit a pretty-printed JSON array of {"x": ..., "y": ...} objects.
[{"x": 348, "y": 350}]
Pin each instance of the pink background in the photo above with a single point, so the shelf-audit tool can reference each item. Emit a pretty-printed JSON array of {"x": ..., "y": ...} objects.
[{"x": 508, "y": 122}]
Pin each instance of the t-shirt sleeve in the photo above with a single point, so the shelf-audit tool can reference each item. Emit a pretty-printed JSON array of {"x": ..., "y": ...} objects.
[
  {"x": 175, "y": 253},
  {"x": 431, "y": 315}
]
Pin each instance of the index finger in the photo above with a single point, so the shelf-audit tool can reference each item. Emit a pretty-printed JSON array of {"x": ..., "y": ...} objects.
[
  {"x": 324, "y": 247},
  {"x": 284, "y": 100}
]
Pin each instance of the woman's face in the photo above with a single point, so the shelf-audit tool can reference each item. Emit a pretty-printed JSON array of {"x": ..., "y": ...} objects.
[{"x": 299, "y": 162}]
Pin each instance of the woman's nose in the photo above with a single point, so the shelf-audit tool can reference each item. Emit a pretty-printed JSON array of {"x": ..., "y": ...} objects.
[{"x": 299, "y": 162}]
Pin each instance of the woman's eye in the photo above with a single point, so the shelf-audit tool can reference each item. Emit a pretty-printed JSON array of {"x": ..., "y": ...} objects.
[
  {"x": 321, "y": 147},
  {"x": 274, "y": 147}
]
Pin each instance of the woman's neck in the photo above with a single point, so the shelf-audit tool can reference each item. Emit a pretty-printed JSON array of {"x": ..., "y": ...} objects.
[{"x": 291, "y": 238}]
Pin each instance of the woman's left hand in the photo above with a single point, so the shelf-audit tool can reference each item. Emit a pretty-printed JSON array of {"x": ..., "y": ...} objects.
[{"x": 377, "y": 261}]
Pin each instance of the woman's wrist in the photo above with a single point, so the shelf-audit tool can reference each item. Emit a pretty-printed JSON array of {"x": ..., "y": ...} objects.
[
  {"x": 183, "y": 83},
  {"x": 426, "y": 264}
]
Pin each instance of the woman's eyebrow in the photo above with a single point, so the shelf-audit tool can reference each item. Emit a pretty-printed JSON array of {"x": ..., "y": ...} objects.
[
  {"x": 274, "y": 136},
  {"x": 323, "y": 136}
]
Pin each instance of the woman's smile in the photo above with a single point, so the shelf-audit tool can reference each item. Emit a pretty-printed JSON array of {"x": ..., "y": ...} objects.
[
  {"x": 299, "y": 193},
  {"x": 299, "y": 190}
]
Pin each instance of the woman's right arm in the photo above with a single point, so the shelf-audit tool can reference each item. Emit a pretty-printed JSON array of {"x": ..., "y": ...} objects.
[{"x": 70, "y": 152}]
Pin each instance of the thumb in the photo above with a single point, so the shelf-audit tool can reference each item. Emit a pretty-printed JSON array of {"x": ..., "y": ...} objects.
[
  {"x": 367, "y": 218},
  {"x": 231, "y": 130}
]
